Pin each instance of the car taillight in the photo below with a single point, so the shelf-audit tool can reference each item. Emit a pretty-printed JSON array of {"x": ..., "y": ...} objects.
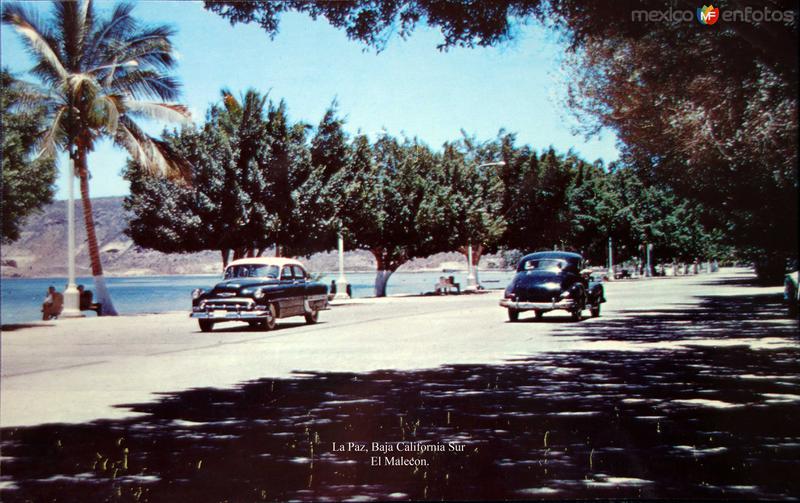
[{"x": 511, "y": 295}]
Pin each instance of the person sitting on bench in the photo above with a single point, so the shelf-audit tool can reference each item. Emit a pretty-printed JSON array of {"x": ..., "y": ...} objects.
[
  {"x": 442, "y": 286},
  {"x": 86, "y": 301},
  {"x": 53, "y": 304},
  {"x": 451, "y": 282}
]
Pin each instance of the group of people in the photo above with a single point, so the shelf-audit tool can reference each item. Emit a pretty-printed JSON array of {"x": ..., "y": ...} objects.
[
  {"x": 54, "y": 302},
  {"x": 446, "y": 285}
]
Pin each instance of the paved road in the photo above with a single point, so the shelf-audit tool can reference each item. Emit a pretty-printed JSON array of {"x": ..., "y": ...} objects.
[{"x": 78, "y": 370}]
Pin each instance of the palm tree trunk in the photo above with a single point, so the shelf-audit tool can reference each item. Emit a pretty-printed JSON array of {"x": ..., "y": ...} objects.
[{"x": 102, "y": 295}]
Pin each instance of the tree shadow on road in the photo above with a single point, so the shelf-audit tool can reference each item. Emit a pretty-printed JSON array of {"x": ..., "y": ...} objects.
[
  {"x": 693, "y": 423},
  {"x": 723, "y": 318}
]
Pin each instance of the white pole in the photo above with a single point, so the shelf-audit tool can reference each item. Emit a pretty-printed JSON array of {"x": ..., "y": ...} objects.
[
  {"x": 341, "y": 283},
  {"x": 472, "y": 283},
  {"x": 71, "y": 296},
  {"x": 610, "y": 262},
  {"x": 649, "y": 249}
]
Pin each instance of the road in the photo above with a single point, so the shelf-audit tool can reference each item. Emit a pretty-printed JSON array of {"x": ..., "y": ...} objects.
[
  {"x": 79, "y": 370},
  {"x": 685, "y": 388}
]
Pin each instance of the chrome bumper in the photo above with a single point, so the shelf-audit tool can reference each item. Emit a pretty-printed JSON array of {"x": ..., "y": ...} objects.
[
  {"x": 230, "y": 315},
  {"x": 567, "y": 304}
]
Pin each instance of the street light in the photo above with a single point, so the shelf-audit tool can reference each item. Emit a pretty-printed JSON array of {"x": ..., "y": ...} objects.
[
  {"x": 72, "y": 301},
  {"x": 472, "y": 271}
]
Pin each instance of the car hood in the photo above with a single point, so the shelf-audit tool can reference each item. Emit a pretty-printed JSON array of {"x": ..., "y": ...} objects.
[{"x": 237, "y": 284}]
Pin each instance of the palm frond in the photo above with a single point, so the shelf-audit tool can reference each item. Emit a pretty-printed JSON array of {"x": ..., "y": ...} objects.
[
  {"x": 167, "y": 112},
  {"x": 35, "y": 38},
  {"x": 47, "y": 144},
  {"x": 115, "y": 27},
  {"x": 147, "y": 84},
  {"x": 154, "y": 155},
  {"x": 28, "y": 96},
  {"x": 111, "y": 108}
]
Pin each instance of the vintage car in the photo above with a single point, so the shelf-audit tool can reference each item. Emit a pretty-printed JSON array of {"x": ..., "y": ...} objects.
[
  {"x": 550, "y": 280},
  {"x": 259, "y": 291}
]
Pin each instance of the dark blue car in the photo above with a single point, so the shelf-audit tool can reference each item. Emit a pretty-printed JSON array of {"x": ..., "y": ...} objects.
[{"x": 551, "y": 280}]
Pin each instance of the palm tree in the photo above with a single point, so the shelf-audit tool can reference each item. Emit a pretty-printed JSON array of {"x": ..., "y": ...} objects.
[{"x": 96, "y": 77}]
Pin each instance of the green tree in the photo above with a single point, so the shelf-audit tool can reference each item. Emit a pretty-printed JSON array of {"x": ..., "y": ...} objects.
[
  {"x": 98, "y": 75},
  {"x": 27, "y": 181},
  {"x": 463, "y": 202},
  {"x": 253, "y": 187},
  {"x": 383, "y": 200}
]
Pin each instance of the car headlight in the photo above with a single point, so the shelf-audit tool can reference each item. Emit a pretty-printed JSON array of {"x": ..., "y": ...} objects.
[
  {"x": 196, "y": 293},
  {"x": 259, "y": 294}
]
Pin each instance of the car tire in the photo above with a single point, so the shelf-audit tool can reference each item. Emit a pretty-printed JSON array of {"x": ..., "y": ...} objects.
[
  {"x": 513, "y": 315},
  {"x": 537, "y": 315},
  {"x": 577, "y": 314},
  {"x": 271, "y": 322},
  {"x": 595, "y": 310},
  {"x": 312, "y": 317},
  {"x": 206, "y": 325}
]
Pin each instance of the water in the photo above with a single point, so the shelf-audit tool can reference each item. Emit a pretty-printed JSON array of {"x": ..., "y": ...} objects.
[{"x": 22, "y": 297}]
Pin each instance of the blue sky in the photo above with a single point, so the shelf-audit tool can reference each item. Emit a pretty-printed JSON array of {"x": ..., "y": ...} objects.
[{"x": 410, "y": 87}]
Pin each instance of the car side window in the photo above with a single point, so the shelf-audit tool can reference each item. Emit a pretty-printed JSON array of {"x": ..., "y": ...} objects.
[
  {"x": 286, "y": 272},
  {"x": 299, "y": 273}
]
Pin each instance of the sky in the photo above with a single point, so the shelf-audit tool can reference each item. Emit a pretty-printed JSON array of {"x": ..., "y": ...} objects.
[{"x": 410, "y": 88}]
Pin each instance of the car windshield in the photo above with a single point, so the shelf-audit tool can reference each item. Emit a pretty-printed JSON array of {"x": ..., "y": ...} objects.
[
  {"x": 545, "y": 264},
  {"x": 251, "y": 271}
]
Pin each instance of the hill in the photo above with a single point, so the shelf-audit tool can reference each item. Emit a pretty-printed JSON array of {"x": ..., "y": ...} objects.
[{"x": 41, "y": 249}]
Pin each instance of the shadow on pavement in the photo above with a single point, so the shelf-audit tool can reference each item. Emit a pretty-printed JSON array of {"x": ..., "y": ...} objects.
[{"x": 702, "y": 422}]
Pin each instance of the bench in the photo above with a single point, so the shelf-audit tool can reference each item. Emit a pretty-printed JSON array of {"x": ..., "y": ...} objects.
[{"x": 86, "y": 303}]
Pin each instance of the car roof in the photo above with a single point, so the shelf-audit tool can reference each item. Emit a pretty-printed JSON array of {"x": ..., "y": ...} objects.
[
  {"x": 553, "y": 255},
  {"x": 278, "y": 261}
]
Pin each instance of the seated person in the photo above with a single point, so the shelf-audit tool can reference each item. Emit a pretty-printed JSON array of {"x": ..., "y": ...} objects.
[
  {"x": 442, "y": 286},
  {"x": 86, "y": 304},
  {"x": 451, "y": 283},
  {"x": 53, "y": 304}
]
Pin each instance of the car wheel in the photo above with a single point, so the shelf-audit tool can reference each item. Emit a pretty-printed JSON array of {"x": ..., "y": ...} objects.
[
  {"x": 595, "y": 310},
  {"x": 577, "y": 315},
  {"x": 312, "y": 317},
  {"x": 271, "y": 322},
  {"x": 513, "y": 315},
  {"x": 537, "y": 315},
  {"x": 206, "y": 325}
]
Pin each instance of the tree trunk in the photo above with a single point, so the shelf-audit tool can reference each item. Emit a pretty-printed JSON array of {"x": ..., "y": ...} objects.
[
  {"x": 386, "y": 266},
  {"x": 225, "y": 253},
  {"x": 381, "y": 279},
  {"x": 102, "y": 294},
  {"x": 477, "y": 251}
]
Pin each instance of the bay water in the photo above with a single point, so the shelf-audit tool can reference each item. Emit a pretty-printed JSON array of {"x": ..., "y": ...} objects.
[{"x": 22, "y": 298}]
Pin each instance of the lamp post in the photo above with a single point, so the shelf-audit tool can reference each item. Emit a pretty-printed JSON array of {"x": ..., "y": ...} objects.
[
  {"x": 472, "y": 271},
  {"x": 72, "y": 301},
  {"x": 341, "y": 290},
  {"x": 610, "y": 261}
]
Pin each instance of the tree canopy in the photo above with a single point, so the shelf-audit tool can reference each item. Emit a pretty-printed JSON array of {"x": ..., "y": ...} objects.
[{"x": 27, "y": 178}]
